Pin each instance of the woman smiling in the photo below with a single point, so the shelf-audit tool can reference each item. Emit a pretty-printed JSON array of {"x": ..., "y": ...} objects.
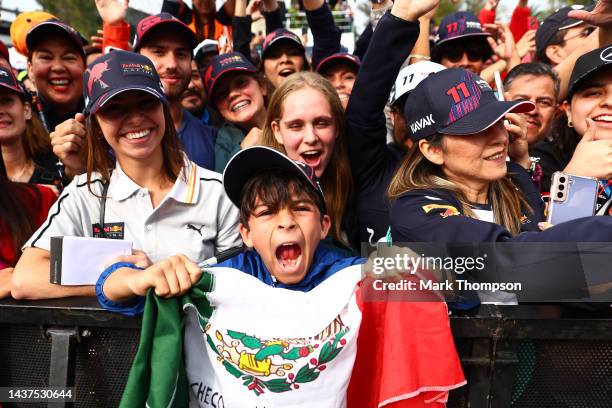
[
  {"x": 56, "y": 62},
  {"x": 152, "y": 194},
  {"x": 238, "y": 91},
  {"x": 306, "y": 121},
  {"x": 24, "y": 142},
  {"x": 456, "y": 185}
]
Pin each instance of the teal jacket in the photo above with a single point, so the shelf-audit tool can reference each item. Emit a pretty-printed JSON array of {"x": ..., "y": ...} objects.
[{"x": 227, "y": 145}]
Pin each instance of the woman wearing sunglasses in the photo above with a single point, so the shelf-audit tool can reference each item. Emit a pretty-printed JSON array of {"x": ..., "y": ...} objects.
[{"x": 461, "y": 42}]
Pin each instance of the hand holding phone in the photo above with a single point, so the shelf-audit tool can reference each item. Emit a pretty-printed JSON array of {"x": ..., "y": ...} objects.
[{"x": 571, "y": 197}]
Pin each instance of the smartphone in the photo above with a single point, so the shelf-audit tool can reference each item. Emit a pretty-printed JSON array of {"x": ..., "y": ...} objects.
[
  {"x": 499, "y": 86},
  {"x": 532, "y": 23},
  {"x": 571, "y": 197}
]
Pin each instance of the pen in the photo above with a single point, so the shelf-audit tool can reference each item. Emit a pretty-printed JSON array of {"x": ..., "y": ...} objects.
[{"x": 222, "y": 256}]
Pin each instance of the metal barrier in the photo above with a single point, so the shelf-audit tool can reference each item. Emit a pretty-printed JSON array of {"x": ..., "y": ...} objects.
[{"x": 519, "y": 356}]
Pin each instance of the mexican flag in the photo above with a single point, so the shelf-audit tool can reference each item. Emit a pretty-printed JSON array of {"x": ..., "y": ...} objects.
[{"x": 234, "y": 341}]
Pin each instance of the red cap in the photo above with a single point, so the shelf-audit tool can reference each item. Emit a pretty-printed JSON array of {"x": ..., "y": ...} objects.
[
  {"x": 146, "y": 24},
  {"x": 278, "y": 35},
  {"x": 340, "y": 57},
  {"x": 4, "y": 50}
]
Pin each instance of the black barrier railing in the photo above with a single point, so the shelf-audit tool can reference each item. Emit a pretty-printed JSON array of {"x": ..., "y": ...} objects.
[{"x": 520, "y": 356}]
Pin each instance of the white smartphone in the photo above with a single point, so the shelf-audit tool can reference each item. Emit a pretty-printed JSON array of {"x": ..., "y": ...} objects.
[
  {"x": 499, "y": 86},
  {"x": 571, "y": 197}
]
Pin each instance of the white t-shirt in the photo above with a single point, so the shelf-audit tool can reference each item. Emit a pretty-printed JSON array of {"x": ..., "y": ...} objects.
[{"x": 195, "y": 218}]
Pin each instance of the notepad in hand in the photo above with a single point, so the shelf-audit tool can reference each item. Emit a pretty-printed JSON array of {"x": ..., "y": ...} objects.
[{"x": 81, "y": 260}]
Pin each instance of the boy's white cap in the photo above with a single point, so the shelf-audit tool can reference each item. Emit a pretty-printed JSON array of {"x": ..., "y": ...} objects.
[{"x": 409, "y": 77}]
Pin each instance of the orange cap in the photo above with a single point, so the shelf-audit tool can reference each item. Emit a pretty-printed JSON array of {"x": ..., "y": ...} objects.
[{"x": 21, "y": 26}]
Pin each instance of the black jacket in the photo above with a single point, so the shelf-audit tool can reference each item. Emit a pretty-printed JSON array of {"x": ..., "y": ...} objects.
[
  {"x": 325, "y": 33},
  {"x": 437, "y": 216},
  {"x": 373, "y": 163}
]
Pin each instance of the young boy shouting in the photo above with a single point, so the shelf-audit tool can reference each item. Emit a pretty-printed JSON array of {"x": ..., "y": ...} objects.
[{"x": 277, "y": 326}]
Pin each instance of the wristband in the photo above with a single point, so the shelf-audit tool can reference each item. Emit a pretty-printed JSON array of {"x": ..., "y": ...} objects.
[
  {"x": 420, "y": 56},
  {"x": 131, "y": 307}
]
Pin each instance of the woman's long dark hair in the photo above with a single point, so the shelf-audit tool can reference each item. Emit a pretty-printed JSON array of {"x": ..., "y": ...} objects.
[
  {"x": 565, "y": 138},
  {"x": 19, "y": 204}
]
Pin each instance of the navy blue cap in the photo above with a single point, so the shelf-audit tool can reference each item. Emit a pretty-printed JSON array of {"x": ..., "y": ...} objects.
[
  {"x": 223, "y": 64},
  {"x": 588, "y": 65},
  {"x": 455, "y": 102},
  {"x": 458, "y": 25},
  {"x": 116, "y": 72},
  {"x": 249, "y": 162},
  {"x": 557, "y": 21},
  {"x": 42, "y": 30}
]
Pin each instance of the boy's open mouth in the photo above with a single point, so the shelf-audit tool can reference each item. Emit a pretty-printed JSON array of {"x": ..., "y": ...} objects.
[{"x": 288, "y": 255}]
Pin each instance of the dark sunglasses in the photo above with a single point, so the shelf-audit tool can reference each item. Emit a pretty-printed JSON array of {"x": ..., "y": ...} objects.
[{"x": 455, "y": 53}]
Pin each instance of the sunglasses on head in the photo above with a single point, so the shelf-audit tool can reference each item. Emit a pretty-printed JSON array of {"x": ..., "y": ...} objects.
[{"x": 454, "y": 53}]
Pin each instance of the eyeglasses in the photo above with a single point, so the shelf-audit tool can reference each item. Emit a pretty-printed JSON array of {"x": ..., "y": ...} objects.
[
  {"x": 455, "y": 53},
  {"x": 584, "y": 33}
]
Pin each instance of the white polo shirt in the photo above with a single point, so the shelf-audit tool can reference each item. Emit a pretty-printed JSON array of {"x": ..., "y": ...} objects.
[{"x": 196, "y": 218}]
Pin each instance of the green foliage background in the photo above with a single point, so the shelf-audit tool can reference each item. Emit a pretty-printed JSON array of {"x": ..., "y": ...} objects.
[{"x": 80, "y": 14}]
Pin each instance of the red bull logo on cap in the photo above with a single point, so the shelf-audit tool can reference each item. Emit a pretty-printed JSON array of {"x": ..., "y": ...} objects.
[
  {"x": 95, "y": 75},
  {"x": 136, "y": 68},
  {"x": 230, "y": 60}
]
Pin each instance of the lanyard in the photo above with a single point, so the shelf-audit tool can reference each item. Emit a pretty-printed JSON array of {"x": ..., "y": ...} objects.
[{"x": 103, "y": 209}]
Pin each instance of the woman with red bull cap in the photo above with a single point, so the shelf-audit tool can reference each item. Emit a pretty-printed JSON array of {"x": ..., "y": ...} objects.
[
  {"x": 238, "y": 91},
  {"x": 283, "y": 52},
  {"x": 147, "y": 192}
]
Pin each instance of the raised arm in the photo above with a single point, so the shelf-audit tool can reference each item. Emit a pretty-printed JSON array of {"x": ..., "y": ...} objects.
[
  {"x": 115, "y": 30},
  {"x": 394, "y": 37},
  {"x": 241, "y": 29},
  {"x": 325, "y": 33},
  {"x": 273, "y": 15},
  {"x": 600, "y": 16},
  {"x": 421, "y": 49}
]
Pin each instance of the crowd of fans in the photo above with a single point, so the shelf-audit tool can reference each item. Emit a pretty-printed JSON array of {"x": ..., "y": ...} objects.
[{"x": 408, "y": 139}]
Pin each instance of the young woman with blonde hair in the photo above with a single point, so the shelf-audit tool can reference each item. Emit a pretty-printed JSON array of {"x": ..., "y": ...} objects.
[{"x": 305, "y": 120}]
